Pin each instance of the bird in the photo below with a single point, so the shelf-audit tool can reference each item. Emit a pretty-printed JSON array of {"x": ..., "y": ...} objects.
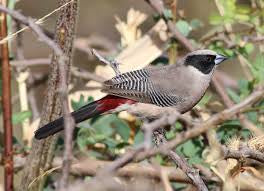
[{"x": 180, "y": 85}]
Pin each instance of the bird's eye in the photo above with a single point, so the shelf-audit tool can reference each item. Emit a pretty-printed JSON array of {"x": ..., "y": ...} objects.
[{"x": 208, "y": 59}]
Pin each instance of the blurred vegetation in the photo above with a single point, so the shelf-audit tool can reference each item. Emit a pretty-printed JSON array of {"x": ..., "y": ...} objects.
[{"x": 238, "y": 30}]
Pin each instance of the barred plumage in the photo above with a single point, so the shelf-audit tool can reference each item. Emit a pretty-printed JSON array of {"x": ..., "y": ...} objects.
[{"x": 139, "y": 85}]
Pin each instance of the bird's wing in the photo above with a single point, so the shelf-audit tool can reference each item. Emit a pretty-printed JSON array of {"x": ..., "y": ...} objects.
[
  {"x": 133, "y": 85},
  {"x": 149, "y": 85}
]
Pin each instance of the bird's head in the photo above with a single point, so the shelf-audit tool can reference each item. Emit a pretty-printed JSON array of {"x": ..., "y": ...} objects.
[{"x": 204, "y": 60}]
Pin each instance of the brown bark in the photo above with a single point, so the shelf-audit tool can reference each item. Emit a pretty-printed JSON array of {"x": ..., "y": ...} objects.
[
  {"x": 7, "y": 107},
  {"x": 42, "y": 152}
]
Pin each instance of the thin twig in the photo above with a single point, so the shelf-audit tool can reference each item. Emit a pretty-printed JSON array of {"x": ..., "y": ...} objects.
[
  {"x": 36, "y": 28},
  {"x": 114, "y": 64},
  {"x": 158, "y": 5},
  {"x": 46, "y": 61},
  {"x": 38, "y": 22},
  {"x": 86, "y": 75},
  {"x": 90, "y": 167},
  {"x": 122, "y": 161},
  {"x": 30, "y": 62},
  {"x": 7, "y": 107},
  {"x": 160, "y": 139}
]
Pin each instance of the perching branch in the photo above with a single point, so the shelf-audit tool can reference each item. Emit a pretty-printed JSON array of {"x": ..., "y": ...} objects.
[
  {"x": 202, "y": 127},
  {"x": 148, "y": 130}
]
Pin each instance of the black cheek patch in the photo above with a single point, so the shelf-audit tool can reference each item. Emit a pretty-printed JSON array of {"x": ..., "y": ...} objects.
[{"x": 204, "y": 63}]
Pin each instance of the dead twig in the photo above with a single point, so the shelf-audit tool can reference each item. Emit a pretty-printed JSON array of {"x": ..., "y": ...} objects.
[
  {"x": 243, "y": 153},
  {"x": 90, "y": 167},
  {"x": 36, "y": 28},
  {"x": 114, "y": 64},
  {"x": 46, "y": 61},
  {"x": 160, "y": 140}
]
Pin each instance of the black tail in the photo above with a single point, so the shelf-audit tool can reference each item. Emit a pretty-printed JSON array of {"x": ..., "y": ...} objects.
[{"x": 85, "y": 112}]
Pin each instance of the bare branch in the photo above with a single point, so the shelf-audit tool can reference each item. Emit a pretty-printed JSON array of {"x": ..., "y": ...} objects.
[
  {"x": 202, "y": 127},
  {"x": 160, "y": 139},
  {"x": 242, "y": 153}
]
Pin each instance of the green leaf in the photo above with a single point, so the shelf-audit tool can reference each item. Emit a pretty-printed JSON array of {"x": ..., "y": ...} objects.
[
  {"x": 196, "y": 23},
  {"x": 112, "y": 143},
  {"x": 206, "y": 98},
  {"x": 104, "y": 124},
  {"x": 139, "y": 138},
  {"x": 233, "y": 95},
  {"x": 122, "y": 145},
  {"x": 179, "y": 186},
  {"x": 87, "y": 137},
  {"x": 170, "y": 134},
  {"x": 168, "y": 14},
  {"x": 243, "y": 9},
  {"x": 178, "y": 126},
  {"x": 158, "y": 158},
  {"x": 122, "y": 129},
  {"x": 216, "y": 19},
  {"x": 228, "y": 129},
  {"x": 253, "y": 116},
  {"x": 183, "y": 27},
  {"x": 189, "y": 149},
  {"x": 242, "y": 17},
  {"x": 243, "y": 87},
  {"x": 195, "y": 160},
  {"x": 78, "y": 104},
  {"x": 258, "y": 68},
  {"x": 249, "y": 47},
  {"x": 20, "y": 117}
]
